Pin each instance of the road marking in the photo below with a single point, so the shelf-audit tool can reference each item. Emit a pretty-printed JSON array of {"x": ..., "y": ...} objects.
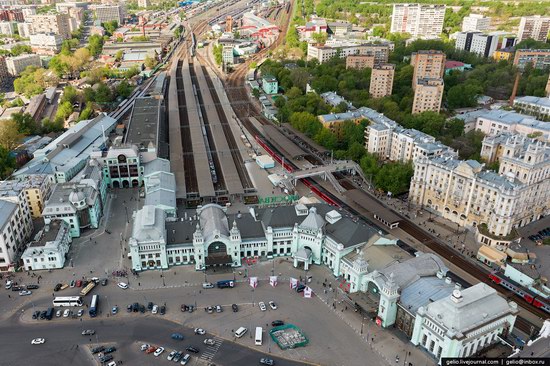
[{"x": 212, "y": 350}]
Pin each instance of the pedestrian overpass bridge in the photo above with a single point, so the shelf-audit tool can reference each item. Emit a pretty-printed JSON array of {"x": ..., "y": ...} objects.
[{"x": 326, "y": 172}]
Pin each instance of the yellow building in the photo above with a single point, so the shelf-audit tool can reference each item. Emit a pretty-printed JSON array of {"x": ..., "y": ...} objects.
[
  {"x": 37, "y": 189},
  {"x": 504, "y": 54}
]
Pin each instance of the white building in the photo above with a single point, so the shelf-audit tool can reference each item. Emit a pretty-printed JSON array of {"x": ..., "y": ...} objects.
[
  {"x": 535, "y": 106},
  {"x": 15, "y": 226},
  {"x": 18, "y": 64},
  {"x": 46, "y": 44},
  {"x": 476, "y": 23},
  {"x": 144, "y": 4},
  {"x": 419, "y": 20},
  {"x": 343, "y": 49},
  {"x": 212, "y": 237},
  {"x": 463, "y": 324},
  {"x": 50, "y": 247},
  {"x": 388, "y": 140},
  {"x": 495, "y": 122},
  {"x": 6, "y": 28},
  {"x": 25, "y": 29},
  {"x": 476, "y": 42}
]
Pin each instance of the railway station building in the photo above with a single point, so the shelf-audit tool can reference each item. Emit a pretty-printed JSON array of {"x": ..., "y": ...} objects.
[{"x": 211, "y": 237}]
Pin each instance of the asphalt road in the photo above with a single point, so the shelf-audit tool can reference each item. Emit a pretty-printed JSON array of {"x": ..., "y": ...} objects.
[{"x": 126, "y": 334}]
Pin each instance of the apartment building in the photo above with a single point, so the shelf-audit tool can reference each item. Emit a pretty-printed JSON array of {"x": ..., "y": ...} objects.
[
  {"x": 493, "y": 203},
  {"x": 51, "y": 24},
  {"x": 495, "y": 122},
  {"x": 36, "y": 190},
  {"x": 6, "y": 28},
  {"x": 534, "y": 106},
  {"x": 428, "y": 64},
  {"x": 381, "y": 80},
  {"x": 476, "y": 23},
  {"x": 15, "y": 226},
  {"x": 419, "y": 20},
  {"x": 388, "y": 140},
  {"x": 484, "y": 45},
  {"x": 4, "y": 74},
  {"x": 539, "y": 59},
  {"x": 18, "y": 64},
  {"x": 11, "y": 15},
  {"x": 504, "y": 54},
  {"x": 107, "y": 13},
  {"x": 428, "y": 94},
  {"x": 343, "y": 49},
  {"x": 27, "y": 12},
  {"x": 49, "y": 249},
  {"x": 46, "y": 44},
  {"x": 534, "y": 27},
  {"x": 25, "y": 29},
  {"x": 144, "y": 4},
  {"x": 359, "y": 62}
]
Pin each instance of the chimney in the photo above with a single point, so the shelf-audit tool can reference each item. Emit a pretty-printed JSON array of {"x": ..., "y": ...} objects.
[{"x": 515, "y": 89}]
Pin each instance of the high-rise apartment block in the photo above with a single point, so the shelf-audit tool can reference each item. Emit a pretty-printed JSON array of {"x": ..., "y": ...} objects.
[
  {"x": 476, "y": 42},
  {"x": 419, "y": 20},
  {"x": 476, "y": 23},
  {"x": 144, "y": 4},
  {"x": 51, "y": 23},
  {"x": 107, "y": 13},
  {"x": 427, "y": 95},
  {"x": 46, "y": 44},
  {"x": 6, "y": 28},
  {"x": 538, "y": 59},
  {"x": 3, "y": 70},
  {"x": 428, "y": 64},
  {"x": 11, "y": 15},
  {"x": 547, "y": 89},
  {"x": 534, "y": 27},
  {"x": 381, "y": 80},
  {"x": 25, "y": 29}
]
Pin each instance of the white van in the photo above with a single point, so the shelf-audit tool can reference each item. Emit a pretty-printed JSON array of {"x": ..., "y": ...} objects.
[
  {"x": 240, "y": 332},
  {"x": 258, "y": 338}
]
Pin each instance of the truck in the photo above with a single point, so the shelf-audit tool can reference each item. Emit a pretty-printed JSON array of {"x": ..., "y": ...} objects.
[
  {"x": 225, "y": 284},
  {"x": 87, "y": 289}
]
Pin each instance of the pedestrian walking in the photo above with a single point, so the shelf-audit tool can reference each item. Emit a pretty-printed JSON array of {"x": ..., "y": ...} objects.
[{"x": 9, "y": 296}]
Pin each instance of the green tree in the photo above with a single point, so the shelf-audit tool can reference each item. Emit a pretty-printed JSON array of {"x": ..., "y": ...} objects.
[
  {"x": 7, "y": 163},
  {"x": 56, "y": 125},
  {"x": 256, "y": 94},
  {"x": 150, "y": 62},
  {"x": 86, "y": 113},
  {"x": 103, "y": 94},
  {"x": 217, "y": 51},
  {"x": 326, "y": 139},
  {"x": 123, "y": 89},
  {"x": 110, "y": 27},
  {"x": 463, "y": 95},
  {"x": 10, "y": 136},
  {"x": 95, "y": 44},
  {"x": 70, "y": 94},
  {"x": 25, "y": 123},
  {"x": 119, "y": 55},
  {"x": 20, "y": 49},
  {"x": 394, "y": 177},
  {"x": 320, "y": 37}
]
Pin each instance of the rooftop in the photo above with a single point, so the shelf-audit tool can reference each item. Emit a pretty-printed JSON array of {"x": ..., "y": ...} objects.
[
  {"x": 543, "y": 102},
  {"x": 145, "y": 124},
  {"x": 514, "y": 118},
  {"x": 6, "y": 211}
]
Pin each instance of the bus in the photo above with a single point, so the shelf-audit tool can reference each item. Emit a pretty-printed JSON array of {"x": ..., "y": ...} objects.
[
  {"x": 226, "y": 283},
  {"x": 258, "y": 338},
  {"x": 93, "y": 306},
  {"x": 67, "y": 301},
  {"x": 87, "y": 289}
]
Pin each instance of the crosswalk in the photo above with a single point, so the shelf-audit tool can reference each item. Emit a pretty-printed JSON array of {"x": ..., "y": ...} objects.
[{"x": 211, "y": 351}]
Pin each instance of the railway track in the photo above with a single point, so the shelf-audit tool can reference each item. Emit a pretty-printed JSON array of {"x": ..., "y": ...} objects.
[{"x": 233, "y": 147}]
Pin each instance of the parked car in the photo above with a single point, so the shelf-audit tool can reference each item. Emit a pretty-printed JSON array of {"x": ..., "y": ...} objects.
[
  {"x": 109, "y": 350},
  {"x": 277, "y": 323},
  {"x": 192, "y": 349},
  {"x": 144, "y": 347},
  {"x": 177, "y": 336},
  {"x": 58, "y": 313},
  {"x": 219, "y": 309},
  {"x": 262, "y": 306},
  {"x": 25, "y": 293},
  {"x": 207, "y": 285},
  {"x": 57, "y": 287},
  {"x": 114, "y": 310},
  {"x": 88, "y": 332},
  {"x": 36, "y": 314},
  {"x": 151, "y": 349},
  {"x": 272, "y": 305},
  {"x": 210, "y": 310},
  {"x": 66, "y": 313},
  {"x": 38, "y": 341},
  {"x": 122, "y": 285},
  {"x": 78, "y": 283},
  {"x": 177, "y": 357},
  {"x": 171, "y": 355},
  {"x": 200, "y": 331},
  {"x": 97, "y": 349},
  {"x": 184, "y": 308},
  {"x": 135, "y": 307},
  {"x": 185, "y": 359},
  {"x": 162, "y": 310},
  {"x": 155, "y": 309},
  {"x": 104, "y": 282},
  {"x": 235, "y": 308},
  {"x": 209, "y": 341},
  {"x": 80, "y": 312},
  {"x": 267, "y": 361},
  {"x": 73, "y": 283},
  {"x": 129, "y": 308},
  {"x": 150, "y": 306},
  {"x": 43, "y": 314},
  {"x": 32, "y": 287},
  {"x": 142, "y": 309},
  {"x": 112, "y": 363},
  {"x": 300, "y": 288},
  {"x": 106, "y": 358},
  {"x": 159, "y": 351},
  {"x": 9, "y": 284}
]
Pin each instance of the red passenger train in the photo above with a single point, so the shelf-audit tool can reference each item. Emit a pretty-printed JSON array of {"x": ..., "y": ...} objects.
[{"x": 529, "y": 296}]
